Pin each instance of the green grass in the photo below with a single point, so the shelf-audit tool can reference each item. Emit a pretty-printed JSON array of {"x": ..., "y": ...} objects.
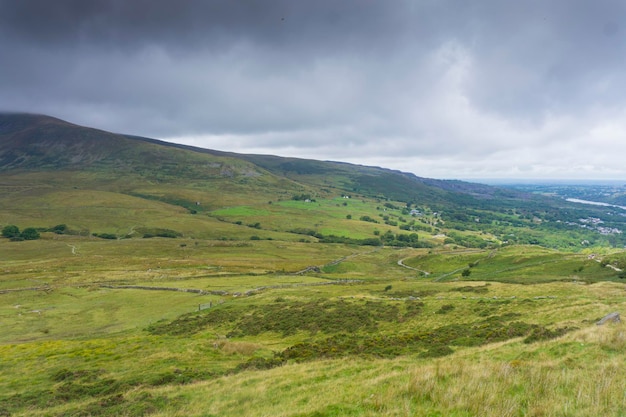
[
  {"x": 286, "y": 325},
  {"x": 515, "y": 264},
  {"x": 361, "y": 322}
]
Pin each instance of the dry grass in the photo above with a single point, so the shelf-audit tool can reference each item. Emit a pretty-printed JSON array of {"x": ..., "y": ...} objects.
[
  {"x": 237, "y": 348},
  {"x": 470, "y": 383}
]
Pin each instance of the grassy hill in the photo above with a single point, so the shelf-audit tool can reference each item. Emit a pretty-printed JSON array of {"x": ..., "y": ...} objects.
[
  {"x": 49, "y": 169},
  {"x": 176, "y": 281}
]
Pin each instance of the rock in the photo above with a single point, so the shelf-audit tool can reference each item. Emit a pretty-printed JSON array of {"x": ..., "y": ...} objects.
[
  {"x": 613, "y": 317},
  {"x": 312, "y": 268}
]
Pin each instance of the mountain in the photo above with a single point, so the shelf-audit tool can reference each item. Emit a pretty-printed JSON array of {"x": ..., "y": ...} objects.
[
  {"x": 41, "y": 143},
  {"x": 54, "y": 172},
  {"x": 31, "y": 142}
]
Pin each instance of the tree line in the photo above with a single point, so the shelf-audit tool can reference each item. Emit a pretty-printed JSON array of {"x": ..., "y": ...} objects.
[{"x": 13, "y": 232}]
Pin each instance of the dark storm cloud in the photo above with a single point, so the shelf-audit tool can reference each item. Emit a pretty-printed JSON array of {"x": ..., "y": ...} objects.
[
  {"x": 190, "y": 24},
  {"x": 453, "y": 88},
  {"x": 272, "y": 56},
  {"x": 549, "y": 55}
]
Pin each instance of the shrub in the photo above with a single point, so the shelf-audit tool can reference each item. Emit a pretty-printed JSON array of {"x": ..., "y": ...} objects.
[
  {"x": 541, "y": 333},
  {"x": 445, "y": 309},
  {"x": 59, "y": 229},
  {"x": 158, "y": 232},
  {"x": 30, "y": 233},
  {"x": 106, "y": 235},
  {"x": 11, "y": 231},
  {"x": 368, "y": 219}
]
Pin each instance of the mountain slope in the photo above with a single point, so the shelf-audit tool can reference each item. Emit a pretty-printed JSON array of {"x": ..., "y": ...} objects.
[
  {"x": 48, "y": 165},
  {"x": 35, "y": 143}
]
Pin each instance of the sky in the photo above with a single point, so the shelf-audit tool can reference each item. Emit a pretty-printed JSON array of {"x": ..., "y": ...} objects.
[{"x": 440, "y": 88}]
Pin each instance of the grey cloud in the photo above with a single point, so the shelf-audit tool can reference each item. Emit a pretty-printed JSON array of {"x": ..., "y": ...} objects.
[
  {"x": 550, "y": 57},
  {"x": 122, "y": 23},
  {"x": 453, "y": 81}
]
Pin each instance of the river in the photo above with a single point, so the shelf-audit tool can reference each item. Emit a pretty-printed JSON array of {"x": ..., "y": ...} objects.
[{"x": 593, "y": 203}]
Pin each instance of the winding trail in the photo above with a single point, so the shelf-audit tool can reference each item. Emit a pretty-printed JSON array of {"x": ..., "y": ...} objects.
[
  {"x": 402, "y": 264},
  {"x": 447, "y": 274},
  {"x": 73, "y": 248}
]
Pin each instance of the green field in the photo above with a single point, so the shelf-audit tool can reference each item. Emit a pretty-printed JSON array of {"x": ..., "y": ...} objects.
[
  {"x": 359, "y": 335},
  {"x": 176, "y": 282}
]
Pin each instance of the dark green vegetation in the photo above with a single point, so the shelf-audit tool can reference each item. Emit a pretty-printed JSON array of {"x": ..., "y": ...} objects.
[
  {"x": 362, "y": 318},
  {"x": 145, "y": 278},
  {"x": 13, "y": 232}
]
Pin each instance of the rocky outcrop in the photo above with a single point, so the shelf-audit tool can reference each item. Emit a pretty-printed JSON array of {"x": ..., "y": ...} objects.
[{"x": 612, "y": 318}]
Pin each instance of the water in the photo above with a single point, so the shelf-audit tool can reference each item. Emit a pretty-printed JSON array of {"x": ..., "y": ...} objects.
[{"x": 593, "y": 203}]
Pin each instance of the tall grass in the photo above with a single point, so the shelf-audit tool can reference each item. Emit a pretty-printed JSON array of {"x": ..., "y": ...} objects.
[{"x": 585, "y": 382}]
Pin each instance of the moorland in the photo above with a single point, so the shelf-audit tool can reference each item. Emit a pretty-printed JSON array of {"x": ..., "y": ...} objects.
[{"x": 164, "y": 280}]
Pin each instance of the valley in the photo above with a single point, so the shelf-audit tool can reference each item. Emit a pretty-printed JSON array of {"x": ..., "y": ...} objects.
[{"x": 172, "y": 281}]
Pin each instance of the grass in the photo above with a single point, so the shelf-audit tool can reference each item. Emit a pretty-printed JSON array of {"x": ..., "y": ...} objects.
[
  {"x": 294, "y": 327},
  {"x": 386, "y": 340},
  {"x": 515, "y": 264},
  {"x": 468, "y": 384}
]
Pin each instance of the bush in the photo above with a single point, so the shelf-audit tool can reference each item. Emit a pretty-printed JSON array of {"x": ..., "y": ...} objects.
[
  {"x": 30, "y": 233},
  {"x": 445, "y": 309},
  {"x": 59, "y": 229},
  {"x": 541, "y": 333},
  {"x": 157, "y": 232},
  {"x": 105, "y": 235},
  {"x": 11, "y": 231},
  {"x": 368, "y": 219}
]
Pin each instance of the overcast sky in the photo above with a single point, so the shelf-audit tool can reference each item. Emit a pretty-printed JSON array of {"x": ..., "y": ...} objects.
[{"x": 443, "y": 89}]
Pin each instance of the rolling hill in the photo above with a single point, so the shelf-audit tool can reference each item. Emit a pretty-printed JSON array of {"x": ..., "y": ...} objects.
[
  {"x": 168, "y": 280},
  {"x": 47, "y": 164},
  {"x": 42, "y": 143}
]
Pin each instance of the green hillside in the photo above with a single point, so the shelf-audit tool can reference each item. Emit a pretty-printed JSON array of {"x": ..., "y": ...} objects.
[{"x": 168, "y": 280}]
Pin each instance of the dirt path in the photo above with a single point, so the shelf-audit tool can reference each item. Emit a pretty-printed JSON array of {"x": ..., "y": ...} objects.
[
  {"x": 447, "y": 274},
  {"x": 403, "y": 265}
]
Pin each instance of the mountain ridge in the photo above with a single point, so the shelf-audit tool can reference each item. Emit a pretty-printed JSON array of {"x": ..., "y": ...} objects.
[{"x": 40, "y": 142}]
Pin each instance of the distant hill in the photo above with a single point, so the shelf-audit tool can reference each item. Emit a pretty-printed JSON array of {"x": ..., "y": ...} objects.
[
  {"x": 41, "y": 143},
  {"x": 54, "y": 172},
  {"x": 30, "y": 142}
]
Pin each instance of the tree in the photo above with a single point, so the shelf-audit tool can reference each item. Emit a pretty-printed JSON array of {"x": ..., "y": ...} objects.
[
  {"x": 60, "y": 229},
  {"x": 11, "y": 231},
  {"x": 30, "y": 233}
]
